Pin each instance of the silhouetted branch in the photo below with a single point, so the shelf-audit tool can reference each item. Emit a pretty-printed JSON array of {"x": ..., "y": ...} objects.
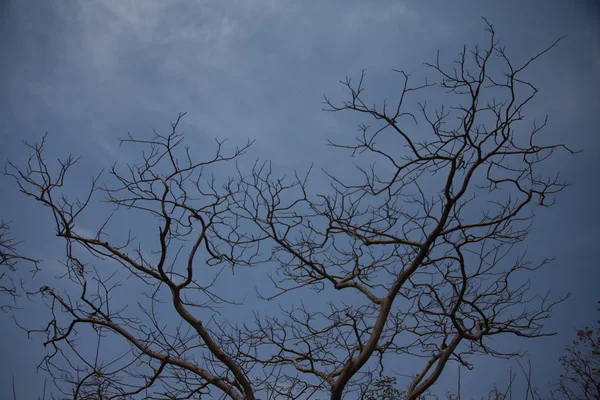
[{"x": 411, "y": 258}]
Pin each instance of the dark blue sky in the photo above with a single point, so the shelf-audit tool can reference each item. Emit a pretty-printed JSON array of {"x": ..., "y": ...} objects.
[{"x": 88, "y": 72}]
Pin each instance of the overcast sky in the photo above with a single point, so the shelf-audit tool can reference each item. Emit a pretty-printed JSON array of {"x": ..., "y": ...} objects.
[{"x": 88, "y": 72}]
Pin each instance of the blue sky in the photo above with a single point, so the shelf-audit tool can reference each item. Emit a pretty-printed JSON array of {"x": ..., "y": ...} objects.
[{"x": 88, "y": 72}]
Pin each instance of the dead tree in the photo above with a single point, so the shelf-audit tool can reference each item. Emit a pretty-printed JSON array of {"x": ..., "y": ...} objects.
[
  {"x": 419, "y": 246},
  {"x": 9, "y": 258},
  {"x": 411, "y": 259},
  {"x": 581, "y": 365}
]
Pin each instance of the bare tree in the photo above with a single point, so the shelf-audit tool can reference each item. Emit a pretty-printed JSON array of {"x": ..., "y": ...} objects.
[
  {"x": 581, "y": 363},
  {"x": 411, "y": 258},
  {"x": 9, "y": 258}
]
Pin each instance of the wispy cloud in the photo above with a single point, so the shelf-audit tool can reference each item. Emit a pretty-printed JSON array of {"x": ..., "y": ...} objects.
[
  {"x": 373, "y": 14},
  {"x": 239, "y": 68}
]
